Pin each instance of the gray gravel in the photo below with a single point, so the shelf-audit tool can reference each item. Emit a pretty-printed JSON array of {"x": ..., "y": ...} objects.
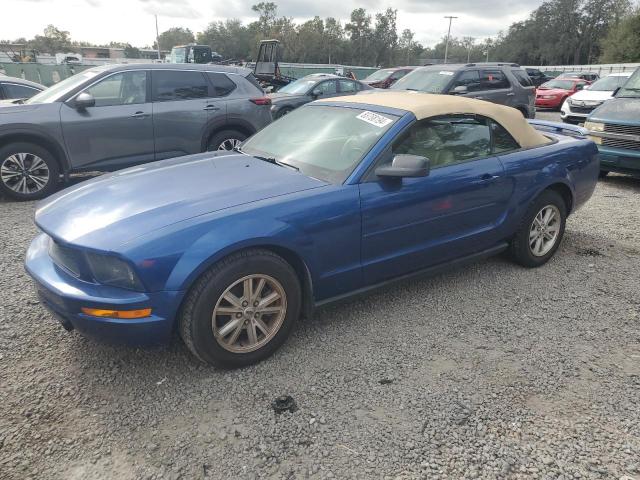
[{"x": 491, "y": 371}]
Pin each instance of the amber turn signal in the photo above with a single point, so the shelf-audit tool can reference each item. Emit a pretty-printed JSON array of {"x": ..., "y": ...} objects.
[{"x": 124, "y": 314}]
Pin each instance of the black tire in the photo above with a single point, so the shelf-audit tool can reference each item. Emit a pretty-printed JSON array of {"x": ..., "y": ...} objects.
[
  {"x": 217, "y": 139},
  {"x": 603, "y": 173},
  {"x": 195, "y": 321},
  {"x": 284, "y": 111},
  {"x": 521, "y": 251},
  {"x": 10, "y": 185}
]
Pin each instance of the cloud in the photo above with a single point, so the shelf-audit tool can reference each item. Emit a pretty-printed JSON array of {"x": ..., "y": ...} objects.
[{"x": 170, "y": 8}]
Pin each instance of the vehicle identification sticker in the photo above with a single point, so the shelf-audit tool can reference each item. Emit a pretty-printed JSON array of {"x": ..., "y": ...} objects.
[
  {"x": 446, "y": 72},
  {"x": 374, "y": 119}
]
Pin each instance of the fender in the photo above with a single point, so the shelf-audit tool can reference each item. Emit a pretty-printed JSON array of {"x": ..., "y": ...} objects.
[
  {"x": 222, "y": 123},
  {"x": 37, "y": 132}
]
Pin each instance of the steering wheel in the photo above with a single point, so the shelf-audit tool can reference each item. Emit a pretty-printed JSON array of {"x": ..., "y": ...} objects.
[{"x": 352, "y": 150}]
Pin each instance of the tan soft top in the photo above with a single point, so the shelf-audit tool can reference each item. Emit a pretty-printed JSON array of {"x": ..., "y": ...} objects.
[{"x": 425, "y": 105}]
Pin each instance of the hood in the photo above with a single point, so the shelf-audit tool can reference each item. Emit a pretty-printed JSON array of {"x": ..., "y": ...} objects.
[
  {"x": 592, "y": 95},
  {"x": 551, "y": 91},
  {"x": 113, "y": 209},
  {"x": 618, "y": 110}
]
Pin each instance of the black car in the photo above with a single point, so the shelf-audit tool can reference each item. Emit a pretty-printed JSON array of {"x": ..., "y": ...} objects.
[
  {"x": 538, "y": 77},
  {"x": 12, "y": 88},
  {"x": 312, "y": 87}
]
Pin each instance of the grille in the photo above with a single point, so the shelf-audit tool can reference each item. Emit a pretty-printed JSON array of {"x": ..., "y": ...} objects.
[
  {"x": 65, "y": 257},
  {"x": 621, "y": 143},
  {"x": 624, "y": 129},
  {"x": 575, "y": 109}
]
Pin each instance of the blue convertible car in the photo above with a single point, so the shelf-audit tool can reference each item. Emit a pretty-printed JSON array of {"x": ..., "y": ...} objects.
[{"x": 336, "y": 198}]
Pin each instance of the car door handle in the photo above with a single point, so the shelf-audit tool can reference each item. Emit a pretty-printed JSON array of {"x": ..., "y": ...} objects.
[
  {"x": 140, "y": 115},
  {"x": 487, "y": 177},
  {"x": 211, "y": 108},
  {"x": 510, "y": 94},
  {"x": 481, "y": 98}
]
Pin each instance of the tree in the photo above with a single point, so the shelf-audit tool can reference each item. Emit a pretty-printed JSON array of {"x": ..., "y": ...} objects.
[
  {"x": 174, "y": 36},
  {"x": 622, "y": 44},
  {"x": 359, "y": 29},
  {"x": 53, "y": 41}
]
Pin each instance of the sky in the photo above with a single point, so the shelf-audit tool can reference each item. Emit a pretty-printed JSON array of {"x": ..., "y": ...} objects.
[{"x": 132, "y": 21}]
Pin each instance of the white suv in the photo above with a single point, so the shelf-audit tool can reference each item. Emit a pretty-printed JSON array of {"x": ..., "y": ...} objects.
[{"x": 578, "y": 106}]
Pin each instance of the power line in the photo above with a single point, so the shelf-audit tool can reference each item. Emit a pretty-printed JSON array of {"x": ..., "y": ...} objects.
[{"x": 446, "y": 47}]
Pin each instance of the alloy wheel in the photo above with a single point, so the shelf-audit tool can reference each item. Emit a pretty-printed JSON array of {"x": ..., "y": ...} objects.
[
  {"x": 249, "y": 313},
  {"x": 544, "y": 230},
  {"x": 24, "y": 173},
  {"x": 229, "y": 144}
]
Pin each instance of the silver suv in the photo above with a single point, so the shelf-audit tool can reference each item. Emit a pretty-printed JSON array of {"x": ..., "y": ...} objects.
[
  {"x": 504, "y": 83},
  {"x": 111, "y": 117}
]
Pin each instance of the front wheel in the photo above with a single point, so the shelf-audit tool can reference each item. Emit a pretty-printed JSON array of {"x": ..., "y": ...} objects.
[
  {"x": 27, "y": 171},
  {"x": 540, "y": 231},
  {"x": 242, "y": 309}
]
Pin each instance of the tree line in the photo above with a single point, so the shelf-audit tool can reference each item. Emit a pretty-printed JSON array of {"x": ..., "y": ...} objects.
[{"x": 557, "y": 32}]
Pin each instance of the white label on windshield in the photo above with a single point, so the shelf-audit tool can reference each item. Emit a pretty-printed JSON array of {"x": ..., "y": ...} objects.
[
  {"x": 446, "y": 72},
  {"x": 374, "y": 119}
]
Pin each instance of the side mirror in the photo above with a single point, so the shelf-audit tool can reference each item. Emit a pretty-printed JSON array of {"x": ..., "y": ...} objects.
[
  {"x": 460, "y": 89},
  {"x": 405, "y": 166},
  {"x": 586, "y": 87},
  {"x": 316, "y": 93},
  {"x": 84, "y": 100}
]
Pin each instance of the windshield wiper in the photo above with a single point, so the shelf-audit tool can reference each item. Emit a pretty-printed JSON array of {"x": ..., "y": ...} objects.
[{"x": 268, "y": 159}]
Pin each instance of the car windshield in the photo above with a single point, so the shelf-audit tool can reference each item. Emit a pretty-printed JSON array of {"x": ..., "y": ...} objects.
[
  {"x": 608, "y": 84},
  {"x": 324, "y": 142},
  {"x": 378, "y": 76},
  {"x": 430, "y": 81},
  {"x": 54, "y": 93},
  {"x": 298, "y": 87},
  {"x": 561, "y": 84},
  {"x": 632, "y": 87}
]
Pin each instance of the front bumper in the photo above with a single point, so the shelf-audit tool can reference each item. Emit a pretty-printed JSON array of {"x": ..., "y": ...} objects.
[
  {"x": 64, "y": 296},
  {"x": 548, "y": 102},
  {"x": 574, "y": 115},
  {"x": 619, "y": 160}
]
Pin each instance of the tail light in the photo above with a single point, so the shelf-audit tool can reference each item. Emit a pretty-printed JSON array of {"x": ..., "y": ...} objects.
[{"x": 261, "y": 101}]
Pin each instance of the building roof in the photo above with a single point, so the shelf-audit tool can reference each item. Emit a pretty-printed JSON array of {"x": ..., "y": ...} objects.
[{"x": 425, "y": 105}]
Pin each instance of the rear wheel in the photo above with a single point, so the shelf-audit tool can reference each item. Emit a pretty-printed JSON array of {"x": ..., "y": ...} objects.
[
  {"x": 225, "y": 140},
  {"x": 27, "y": 171},
  {"x": 540, "y": 231},
  {"x": 242, "y": 309},
  {"x": 285, "y": 111}
]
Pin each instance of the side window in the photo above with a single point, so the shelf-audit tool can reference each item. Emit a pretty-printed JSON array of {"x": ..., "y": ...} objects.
[
  {"x": 522, "y": 77},
  {"x": 398, "y": 74},
  {"x": 347, "y": 86},
  {"x": 125, "y": 88},
  {"x": 469, "y": 79},
  {"x": 328, "y": 87},
  {"x": 502, "y": 141},
  {"x": 169, "y": 85},
  {"x": 222, "y": 85},
  {"x": 580, "y": 86},
  {"x": 447, "y": 140},
  {"x": 493, "y": 80},
  {"x": 12, "y": 90}
]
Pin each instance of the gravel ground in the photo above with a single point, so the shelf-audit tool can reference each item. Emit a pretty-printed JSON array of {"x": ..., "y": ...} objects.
[{"x": 490, "y": 371}]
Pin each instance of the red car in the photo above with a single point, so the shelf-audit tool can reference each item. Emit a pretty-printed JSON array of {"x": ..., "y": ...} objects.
[
  {"x": 386, "y": 77},
  {"x": 553, "y": 93}
]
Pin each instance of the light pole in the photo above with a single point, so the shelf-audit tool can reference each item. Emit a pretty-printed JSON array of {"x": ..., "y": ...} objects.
[
  {"x": 157, "y": 37},
  {"x": 446, "y": 46}
]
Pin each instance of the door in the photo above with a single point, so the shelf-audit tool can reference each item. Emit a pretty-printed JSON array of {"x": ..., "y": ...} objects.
[
  {"x": 347, "y": 87},
  {"x": 117, "y": 131},
  {"x": 326, "y": 89},
  {"x": 414, "y": 223},
  {"x": 495, "y": 87},
  {"x": 183, "y": 101}
]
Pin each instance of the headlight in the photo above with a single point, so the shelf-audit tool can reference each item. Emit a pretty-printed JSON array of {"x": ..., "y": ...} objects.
[
  {"x": 594, "y": 126},
  {"x": 112, "y": 271}
]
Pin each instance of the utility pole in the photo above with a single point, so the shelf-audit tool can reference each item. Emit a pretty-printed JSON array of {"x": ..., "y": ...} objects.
[
  {"x": 446, "y": 47},
  {"x": 157, "y": 38}
]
